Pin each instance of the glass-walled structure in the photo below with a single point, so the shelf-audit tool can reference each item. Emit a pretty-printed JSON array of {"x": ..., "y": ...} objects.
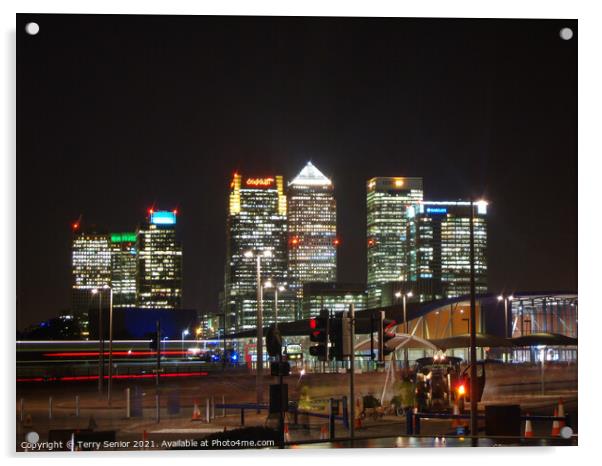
[
  {"x": 556, "y": 314},
  {"x": 387, "y": 200}
]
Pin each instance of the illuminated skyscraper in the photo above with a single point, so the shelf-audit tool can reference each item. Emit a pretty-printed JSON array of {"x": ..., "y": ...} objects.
[
  {"x": 90, "y": 266},
  {"x": 123, "y": 269},
  {"x": 387, "y": 200},
  {"x": 438, "y": 253},
  {"x": 312, "y": 229},
  {"x": 159, "y": 271},
  {"x": 256, "y": 223}
]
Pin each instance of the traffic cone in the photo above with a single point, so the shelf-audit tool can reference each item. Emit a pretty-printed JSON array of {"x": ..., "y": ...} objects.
[
  {"x": 287, "y": 435},
  {"x": 323, "y": 433},
  {"x": 528, "y": 427},
  {"x": 561, "y": 423},
  {"x": 555, "y": 425},
  {"x": 196, "y": 412}
]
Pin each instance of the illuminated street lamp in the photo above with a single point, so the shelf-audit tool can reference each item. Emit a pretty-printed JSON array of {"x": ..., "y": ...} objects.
[
  {"x": 185, "y": 333},
  {"x": 101, "y": 360},
  {"x": 280, "y": 288},
  {"x": 404, "y": 297},
  {"x": 259, "y": 376},
  {"x": 505, "y": 299},
  {"x": 101, "y": 341}
]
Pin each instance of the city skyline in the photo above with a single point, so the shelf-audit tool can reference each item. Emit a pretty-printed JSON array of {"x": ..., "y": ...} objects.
[{"x": 387, "y": 103}]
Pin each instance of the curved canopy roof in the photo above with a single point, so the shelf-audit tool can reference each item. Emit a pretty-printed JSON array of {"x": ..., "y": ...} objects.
[{"x": 551, "y": 339}]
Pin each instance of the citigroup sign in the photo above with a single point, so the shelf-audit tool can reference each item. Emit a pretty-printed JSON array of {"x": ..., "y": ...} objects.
[{"x": 260, "y": 182}]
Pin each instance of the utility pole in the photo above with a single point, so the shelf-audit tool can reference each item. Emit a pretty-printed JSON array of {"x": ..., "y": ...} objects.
[{"x": 474, "y": 420}]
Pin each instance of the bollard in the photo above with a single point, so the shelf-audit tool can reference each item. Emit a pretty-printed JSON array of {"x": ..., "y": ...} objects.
[
  {"x": 242, "y": 416},
  {"x": 409, "y": 422},
  {"x": 128, "y": 406},
  {"x": 208, "y": 411},
  {"x": 76, "y": 405},
  {"x": 331, "y": 420},
  {"x": 223, "y": 406},
  {"x": 49, "y": 407},
  {"x": 345, "y": 413},
  {"x": 21, "y": 409},
  {"x": 157, "y": 408},
  {"x": 212, "y": 407}
]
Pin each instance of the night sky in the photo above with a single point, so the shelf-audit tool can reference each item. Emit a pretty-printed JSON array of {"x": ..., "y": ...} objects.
[{"x": 117, "y": 113}]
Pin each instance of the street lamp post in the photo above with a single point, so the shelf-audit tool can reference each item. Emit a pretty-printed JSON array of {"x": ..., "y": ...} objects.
[
  {"x": 259, "y": 374},
  {"x": 505, "y": 299},
  {"x": 185, "y": 333},
  {"x": 101, "y": 361},
  {"x": 277, "y": 288},
  {"x": 404, "y": 296},
  {"x": 474, "y": 426},
  {"x": 110, "y": 384}
]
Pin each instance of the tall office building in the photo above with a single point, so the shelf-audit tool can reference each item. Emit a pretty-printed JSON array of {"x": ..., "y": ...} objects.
[
  {"x": 124, "y": 259},
  {"x": 438, "y": 253},
  {"x": 256, "y": 223},
  {"x": 312, "y": 229},
  {"x": 90, "y": 266},
  {"x": 387, "y": 201},
  {"x": 159, "y": 269}
]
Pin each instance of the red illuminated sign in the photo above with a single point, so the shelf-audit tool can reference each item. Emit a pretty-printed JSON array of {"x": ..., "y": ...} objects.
[{"x": 260, "y": 182}]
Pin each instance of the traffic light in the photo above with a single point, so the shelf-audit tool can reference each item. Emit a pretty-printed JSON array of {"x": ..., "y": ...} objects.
[
  {"x": 319, "y": 333},
  {"x": 340, "y": 336},
  {"x": 385, "y": 333}
]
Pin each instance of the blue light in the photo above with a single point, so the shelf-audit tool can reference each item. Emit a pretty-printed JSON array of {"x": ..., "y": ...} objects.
[
  {"x": 163, "y": 217},
  {"x": 436, "y": 210}
]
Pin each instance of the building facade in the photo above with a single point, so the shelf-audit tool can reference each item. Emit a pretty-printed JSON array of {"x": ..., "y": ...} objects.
[
  {"x": 90, "y": 267},
  {"x": 336, "y": 297},
  {"x": 387, "y": 201},
  {"x": 256, "y": 225},
  {"x": 159, "y": 265},
  {"x": 124, "y": 259},
  {"x": 438, "y": 249},
  {"x": 312, "y": 229}
]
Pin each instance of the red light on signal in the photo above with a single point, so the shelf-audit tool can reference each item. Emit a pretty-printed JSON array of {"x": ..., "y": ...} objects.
[{"x": 312, "y": 323}]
